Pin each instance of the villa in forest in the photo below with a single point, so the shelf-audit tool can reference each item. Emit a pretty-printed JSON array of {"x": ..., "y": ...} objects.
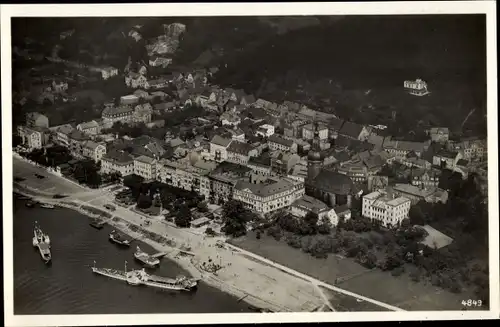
[{"x": 417, "y": 87}]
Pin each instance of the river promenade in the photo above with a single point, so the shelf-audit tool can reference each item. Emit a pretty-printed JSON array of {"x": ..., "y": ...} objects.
[{"x": 250, "y": 277}]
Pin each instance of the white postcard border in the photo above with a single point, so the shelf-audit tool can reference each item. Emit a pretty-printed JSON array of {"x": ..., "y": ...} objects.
[{"x": 246, "y": 9}]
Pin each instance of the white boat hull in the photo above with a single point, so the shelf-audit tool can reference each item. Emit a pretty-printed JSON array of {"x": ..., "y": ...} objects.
[{"x": 133, "y": 278}]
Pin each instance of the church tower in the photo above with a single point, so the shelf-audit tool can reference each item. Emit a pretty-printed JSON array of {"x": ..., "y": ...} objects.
[{"x": 314, "y": 157}]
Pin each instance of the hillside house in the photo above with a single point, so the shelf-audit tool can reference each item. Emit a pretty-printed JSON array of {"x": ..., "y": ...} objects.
[
  {"x": 155, "y": 84},
  {"x": 142, "y": 113},
  {"x": 135, "y": 80},
  {"x": 156, "y": 61},
  {"x": 91, "y": 128},
  {"x": 112, "y": 114},
  {"x": 265, "y": 130}
]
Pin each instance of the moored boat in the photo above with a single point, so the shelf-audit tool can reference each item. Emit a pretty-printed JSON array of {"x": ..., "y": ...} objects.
[
  {"x": 96, "y": 223},
  {"x": 47, "y": 206},
  {"x": 145, "y": 258},
  {"x": 118, "y": 238},
  {"x": 140, "y": 277},
  {"x": 30, "y": 204},
  {"x": 42, "y": 242}
]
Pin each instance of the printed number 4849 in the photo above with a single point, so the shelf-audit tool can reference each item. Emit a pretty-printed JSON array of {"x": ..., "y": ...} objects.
[{"x": 472, "y": 303}]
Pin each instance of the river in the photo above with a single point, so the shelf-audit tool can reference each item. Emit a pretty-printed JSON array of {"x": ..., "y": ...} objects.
[{"x": 68, "y": 286}]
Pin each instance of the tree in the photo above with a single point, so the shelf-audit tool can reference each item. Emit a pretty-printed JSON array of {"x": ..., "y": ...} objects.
[
  {"x": 202, "y": 206},
  {"x": 405, "y": 223},
  {"x": 235, "y": 218},
  {"x": 209, "y": 231},
  {"x": 309, "y": 225},
  {"x": 368, "y": 260},
  {"x": 16, "y": 140},
  {"x": 144, "y": 201},
  {"x": 393, "y": 260},
  {"x": 288, "y": 223},
  {"x": 325, "y": 226},
  {"x": 134, "y": 183},
  {"x": 87, "y": 172},
  {"x": 183, "y": 217},
  {"x": 416, "y": 215},
  {"x": 275, "y": 232},
  {"x": 294, "y": 241}
]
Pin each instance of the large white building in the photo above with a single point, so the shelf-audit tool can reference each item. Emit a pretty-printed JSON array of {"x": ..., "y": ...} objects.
[
  {"x": 145, "y": 167},
  {"x": 94, "y": 150},
  {"x": 265, "y": 130},
  {"x": 386, "y": 208},
  {"x": 32, "y": 138},
  {"x": 117, "y": 162},
  {"x": 218, "y": 148},
  {"x": 268, "y": 195},
  {"x": 186, "y": 175},
  {"x": 112, "y": 114},
  {"x": 417, "y": 87}
]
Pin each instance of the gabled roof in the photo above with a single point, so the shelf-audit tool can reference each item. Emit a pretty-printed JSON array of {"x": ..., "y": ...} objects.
[
  {"x": 249, "y": 99},
  {"x": 277, "y": 139},
  {"x": 240, "y": 148},
  {"x": 176, "y": 142},
  {"x": 265, "y": 189},
  {"x": 404, "y": 145},
  {"x": 220, "y": 141},
  {"x": 330, "y": 181},
  {"x": 294, "y": 106},
  {"x": 447, "y": 154},
  {"x": 145, "y": 159},
  {"x": 92, "y": 145},
  {"x": 311, "y": 204},
  {"x": 64, "y": 129},
  {"x": 117, "y": 110},
  {"x": 78, "y": 135},
  {"x": 375, "y": 139},
  {"x": 351, "y": 129},
  {"x": 120, "y": 157},
  {"x": 164, "y": 105}
]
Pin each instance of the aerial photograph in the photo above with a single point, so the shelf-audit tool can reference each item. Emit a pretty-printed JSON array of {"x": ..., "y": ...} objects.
[{"x": 242, "y": 164}]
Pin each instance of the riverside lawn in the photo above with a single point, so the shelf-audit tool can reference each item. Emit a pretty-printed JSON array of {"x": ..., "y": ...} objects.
[{"x": 398, "y": 291}]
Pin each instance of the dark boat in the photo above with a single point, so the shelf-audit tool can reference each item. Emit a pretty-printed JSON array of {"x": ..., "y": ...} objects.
[
  {"x": 96, "y": 224},
  {"x": 30, "y": 204},
  {"x": 118, "y": 238}
]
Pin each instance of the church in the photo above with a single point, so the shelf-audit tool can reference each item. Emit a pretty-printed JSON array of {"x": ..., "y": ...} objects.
[{"x": 326, "y": 184}]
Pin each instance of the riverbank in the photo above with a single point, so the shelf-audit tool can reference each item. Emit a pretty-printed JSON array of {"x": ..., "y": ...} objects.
[
  {"x": 251, "y": 277},
  {"x": 187, "y": 263}
]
